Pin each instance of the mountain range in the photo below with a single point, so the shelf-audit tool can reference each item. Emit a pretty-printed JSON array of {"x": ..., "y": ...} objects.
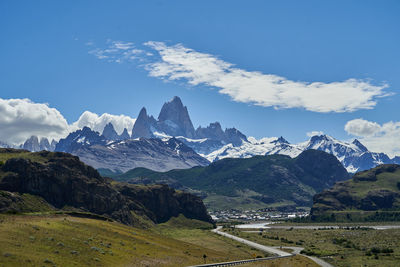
[
  {"x": 354, "y": 156},
  {"x": 209, "y": 144}
]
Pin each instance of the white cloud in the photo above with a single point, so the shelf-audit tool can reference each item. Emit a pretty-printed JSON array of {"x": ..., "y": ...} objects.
[
  {"x": 360, "y": 127},
  {"x": 377, "y": 137},
  {"x": 97, "y": 123},
  {"x": 178, "y": 62},
  {"x": 22, "y": 118},
  {"x": 314, "y": 133},
  {"x": 117, "y": 51}
]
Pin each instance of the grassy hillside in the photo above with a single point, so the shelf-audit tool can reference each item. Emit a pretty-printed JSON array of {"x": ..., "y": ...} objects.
[
  {"x": 257, "y": 181},
  {"x": 49, "y": 240},
  {"x": 9, "y": 153},
  {"x": 371, "y": 195}
]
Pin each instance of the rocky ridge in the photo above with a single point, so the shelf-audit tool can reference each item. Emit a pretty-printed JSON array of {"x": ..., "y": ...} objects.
[{"x": 63, "y": 181}]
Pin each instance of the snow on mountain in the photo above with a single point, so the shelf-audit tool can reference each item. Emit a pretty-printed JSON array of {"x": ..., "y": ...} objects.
[
  {"x": 253, "y": 147},
  {"x": 354, "y": 156}
]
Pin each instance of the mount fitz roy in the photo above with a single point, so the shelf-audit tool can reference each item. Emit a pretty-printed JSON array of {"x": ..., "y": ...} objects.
[{"x": 172, "y": 142}]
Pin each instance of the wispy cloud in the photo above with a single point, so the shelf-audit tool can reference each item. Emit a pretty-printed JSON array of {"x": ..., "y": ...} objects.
[
  {"x": 377, "y": 137},
  {"x": 116, "y": 51},
  {"x": 177, "y": 62}
]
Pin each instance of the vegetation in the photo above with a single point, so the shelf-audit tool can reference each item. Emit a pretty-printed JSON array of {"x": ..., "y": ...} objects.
[
  {"x": 297, "y": 261},
  {"x": 40, "y": 239},
  {"x": 372, "y": 195},
  {"x": 349, "y": 246},
  {"x": 8, "y": 153},
  {"x": 48, "y": 240}
]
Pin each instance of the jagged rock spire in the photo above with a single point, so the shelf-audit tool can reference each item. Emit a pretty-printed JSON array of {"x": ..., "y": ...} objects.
[{"x": 174, "y": 119}]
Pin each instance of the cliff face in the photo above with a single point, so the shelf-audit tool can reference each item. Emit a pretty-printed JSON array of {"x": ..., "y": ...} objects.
[
  {"x": 62, "y": 180},
  {"x": 160, "y": 202}
]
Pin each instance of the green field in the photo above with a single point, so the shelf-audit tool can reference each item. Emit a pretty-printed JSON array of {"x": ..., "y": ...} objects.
[{"x": 340, "y": 247}]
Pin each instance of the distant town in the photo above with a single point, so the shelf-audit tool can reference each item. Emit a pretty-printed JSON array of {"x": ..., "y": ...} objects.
[{"x": 254, "y": 215}]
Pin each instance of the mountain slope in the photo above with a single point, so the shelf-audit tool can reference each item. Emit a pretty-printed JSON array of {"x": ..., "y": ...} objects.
[
  {"x": 376, "y": 190},
  {"x": 119, "y": 156},
  {"x": 267, "y": 179}
]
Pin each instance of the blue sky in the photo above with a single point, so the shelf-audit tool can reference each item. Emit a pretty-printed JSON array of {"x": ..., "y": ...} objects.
[{"x": 48, "y": 55}]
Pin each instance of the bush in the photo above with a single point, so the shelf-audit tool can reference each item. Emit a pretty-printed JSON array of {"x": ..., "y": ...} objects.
[{"x": 308, "y": 252}]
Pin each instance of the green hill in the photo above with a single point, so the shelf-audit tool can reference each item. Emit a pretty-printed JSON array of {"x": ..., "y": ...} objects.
[
  {"x": 259, "y": 181},
  {"x": 371, "y": 195}
]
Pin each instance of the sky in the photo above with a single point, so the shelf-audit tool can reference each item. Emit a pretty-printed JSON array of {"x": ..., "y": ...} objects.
[{"x": 268, "y": 68}]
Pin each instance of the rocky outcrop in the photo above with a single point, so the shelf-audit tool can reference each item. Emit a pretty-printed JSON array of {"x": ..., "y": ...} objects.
[
  {"x": 65, "y": 181},
  {"x": 160, "y": 202},
  {"x": 62, "y": 180}
]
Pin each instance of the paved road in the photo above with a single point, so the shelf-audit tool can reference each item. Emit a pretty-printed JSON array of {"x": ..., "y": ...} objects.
[
  {"x": 252, "y": 244},
  {"x": 273, "y": 250}
]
